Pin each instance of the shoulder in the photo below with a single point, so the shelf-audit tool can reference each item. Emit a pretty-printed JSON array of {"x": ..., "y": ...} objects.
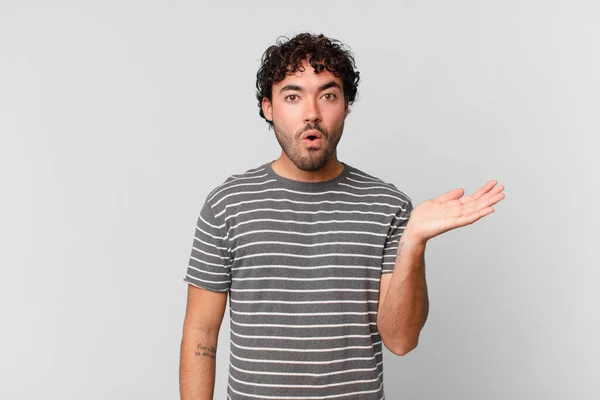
[
  {"x": 237, "y": 182},
  {"x": 362, "y": 178}
]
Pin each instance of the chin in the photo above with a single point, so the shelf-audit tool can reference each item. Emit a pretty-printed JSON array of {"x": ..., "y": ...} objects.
[{"x": 312, "y": 165}]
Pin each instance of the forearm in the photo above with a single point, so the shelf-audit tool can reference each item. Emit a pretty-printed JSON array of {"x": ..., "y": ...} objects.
[
  {"x": 197, "y": 364},
  {"x": 406, "y": 304}
]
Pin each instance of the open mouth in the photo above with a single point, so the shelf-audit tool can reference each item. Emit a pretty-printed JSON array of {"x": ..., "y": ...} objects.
[{"x": 312, "y": 136}]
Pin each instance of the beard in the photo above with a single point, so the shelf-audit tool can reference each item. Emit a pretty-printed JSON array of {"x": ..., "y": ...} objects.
[{"x": 314, "y": 158}]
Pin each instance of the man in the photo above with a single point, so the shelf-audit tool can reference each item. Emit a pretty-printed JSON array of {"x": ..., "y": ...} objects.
[{"x": 320, "y": 260}]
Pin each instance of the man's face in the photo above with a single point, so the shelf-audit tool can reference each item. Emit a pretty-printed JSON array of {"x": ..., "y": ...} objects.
[{"x": 308, "y": 112}]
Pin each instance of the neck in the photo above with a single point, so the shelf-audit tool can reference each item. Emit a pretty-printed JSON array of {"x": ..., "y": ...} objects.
[{"x": 284, "y": 167}]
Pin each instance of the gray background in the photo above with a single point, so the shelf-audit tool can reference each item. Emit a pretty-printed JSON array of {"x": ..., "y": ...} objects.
[{"x": 117, "y": 118}]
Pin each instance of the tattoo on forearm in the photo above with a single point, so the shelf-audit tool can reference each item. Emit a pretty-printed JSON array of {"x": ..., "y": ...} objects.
[
  {"x": 206, "y": 351},
  {"x": 399, "y": 250}
]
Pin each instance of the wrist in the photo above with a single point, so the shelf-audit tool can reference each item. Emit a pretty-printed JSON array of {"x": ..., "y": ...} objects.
[
  {"x": 410, "y": 249},
  {"x": 411, "y": 239}
]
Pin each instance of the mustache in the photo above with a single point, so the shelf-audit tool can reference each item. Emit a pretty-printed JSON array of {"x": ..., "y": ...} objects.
[{"x": 313, "y": 127}]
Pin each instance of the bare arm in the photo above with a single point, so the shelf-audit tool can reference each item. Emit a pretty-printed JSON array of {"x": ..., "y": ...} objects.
[
  {"x": 203, "y": 318},
  {"x": 403, "y": 299}
]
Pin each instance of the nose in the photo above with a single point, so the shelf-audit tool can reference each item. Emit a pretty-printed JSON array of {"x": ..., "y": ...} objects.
[{"x": 312, "y": 113}]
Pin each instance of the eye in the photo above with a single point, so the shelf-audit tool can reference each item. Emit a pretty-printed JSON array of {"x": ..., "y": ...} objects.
[
  {"x": 291, "y": 97},
  {"x": 330, "y": 96}
]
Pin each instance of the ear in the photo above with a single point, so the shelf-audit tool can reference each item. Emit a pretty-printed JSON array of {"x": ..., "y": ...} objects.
[
  {"x": 267, "y": 108},
  {"x": 346, "y": 109}
]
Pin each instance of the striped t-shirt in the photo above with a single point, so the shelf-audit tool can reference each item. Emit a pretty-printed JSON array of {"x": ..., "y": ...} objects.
[{"x": 302, "y": 263}]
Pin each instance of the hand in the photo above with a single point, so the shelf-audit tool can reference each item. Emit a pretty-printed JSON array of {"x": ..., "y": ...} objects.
[{"x": 450, "y": 211}]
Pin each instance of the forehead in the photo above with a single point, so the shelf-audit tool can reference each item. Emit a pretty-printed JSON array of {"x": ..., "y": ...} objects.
[{"x": 307, "y": 77}]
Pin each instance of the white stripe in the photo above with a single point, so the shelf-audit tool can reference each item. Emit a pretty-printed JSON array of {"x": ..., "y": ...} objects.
[
  {"x": 305, "y": 386},
  {"x": 241, "y": 184},
  {"x": 309, "y": 223},
  {"x": 370, "y": 178},
  {"x": 305, "y": 362},
  {"x": 251, "y": 171},
  {"x": 300, "y": 326},
  {"x": 308, "y": 202},
  {"x": 206, "y": 262},
  {"x": 209, "y": 254},
  {"x": 283, "y": 278},
  {"x": 238, "y": 177},
  {"x": 309, "y": 212},
  {"x": 209, "y": 224},
  {"x": 307, "y": 245},
  {"x": 210, "y": 244},
  {"x": 306, "y": 373},
  {"x": 262, "y": 397},
  {"x": 208, "y": 234},
  {"x": 202, "y": 280},
  {"x": 305, "y": 350},
  {"x": 303, "y": 338},
  {"x": 304, "y": 302},
  {"x": 254, "y": 192},
  {"x": 307, "y": 290},
  {"x": 208, "y": 272},
  {"x": 385, "y": 185},
  {"x": 367, "y": 182},
  {"x": 310, "y": 234},
  {"x": 304, "y": 314},
  {"x": 303, "y": 268},
  {"x": 376, "y": 187},
  {"x": 307, "y": 256}
]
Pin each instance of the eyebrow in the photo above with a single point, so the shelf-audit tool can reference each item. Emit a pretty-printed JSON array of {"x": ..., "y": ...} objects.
[{"x": 300, "y": 88}]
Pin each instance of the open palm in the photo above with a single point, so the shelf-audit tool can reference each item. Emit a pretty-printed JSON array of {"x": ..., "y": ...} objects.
[{"x": 450, "y": 211}]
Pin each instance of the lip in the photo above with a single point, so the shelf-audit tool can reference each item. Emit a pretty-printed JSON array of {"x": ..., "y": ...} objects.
[{"x": 312, "y": 132}]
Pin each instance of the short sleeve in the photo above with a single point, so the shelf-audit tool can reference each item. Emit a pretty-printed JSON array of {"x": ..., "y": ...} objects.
[
  {"x": 397, "y": 226},
  {"x": 209, "y": 266}
]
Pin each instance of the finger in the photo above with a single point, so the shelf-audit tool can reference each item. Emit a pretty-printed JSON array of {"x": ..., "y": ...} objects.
[
  {"x": 479, "y": 205},
  {"x": 451, "y": 195},
  {"x": 486, "y": 188},
  {"x": 482, "y": 191},
  {"x": 487, "y": 200},
  {"x": 493, "y": 199},
  {"x": 474, "y": 217}
]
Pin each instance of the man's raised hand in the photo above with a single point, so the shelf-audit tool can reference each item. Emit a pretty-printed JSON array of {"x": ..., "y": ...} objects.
[{"x": 450, "y": 211}]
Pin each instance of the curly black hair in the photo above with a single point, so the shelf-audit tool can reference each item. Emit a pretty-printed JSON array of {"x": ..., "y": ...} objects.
[{"x": 286, "y": 55}]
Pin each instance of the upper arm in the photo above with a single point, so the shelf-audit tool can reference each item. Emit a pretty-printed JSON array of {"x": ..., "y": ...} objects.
[
  {"x": 205, "y": 309},
  {"x": 208, "y": 274},
  {"x": 210, "y": 261}
]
